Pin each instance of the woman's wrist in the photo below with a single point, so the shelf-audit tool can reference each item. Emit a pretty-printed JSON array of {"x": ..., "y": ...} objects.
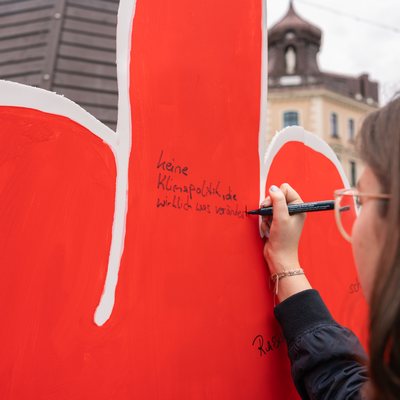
[
  {"x": 292, "y": 285},
  {"x": 283, "y": 264},
  {"x": 288, "y": 277}
]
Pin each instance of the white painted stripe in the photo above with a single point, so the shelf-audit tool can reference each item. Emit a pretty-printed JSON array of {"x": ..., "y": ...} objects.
[
  {"x": 126, "y": 14},
  {"x": 263, "y": 127},
  {"x": 14, "y": 94},
  {"x": 18, "y": 95}
]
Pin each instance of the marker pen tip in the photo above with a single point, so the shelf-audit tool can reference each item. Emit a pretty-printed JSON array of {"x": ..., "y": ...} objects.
[{"x": 252, "y": 212}]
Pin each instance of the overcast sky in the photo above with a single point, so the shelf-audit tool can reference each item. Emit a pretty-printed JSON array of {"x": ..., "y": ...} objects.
[{"x": 350, "y": 46}]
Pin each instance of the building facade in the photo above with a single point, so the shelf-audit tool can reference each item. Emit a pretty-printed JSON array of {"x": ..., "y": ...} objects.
[
  {"x": 66, "y": 46},
  {"x": 332, "y": 106}
]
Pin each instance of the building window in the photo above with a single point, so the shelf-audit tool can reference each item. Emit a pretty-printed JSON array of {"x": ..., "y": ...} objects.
[
  {"x": 334, "y": 125},
  {"x": 290, "y": 118},
  {"x": 353, "y": 173},
  {"x": 351, "y": 129}
]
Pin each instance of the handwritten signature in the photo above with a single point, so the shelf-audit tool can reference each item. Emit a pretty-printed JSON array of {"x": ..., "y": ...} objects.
[{"x": 265, "y": 346}]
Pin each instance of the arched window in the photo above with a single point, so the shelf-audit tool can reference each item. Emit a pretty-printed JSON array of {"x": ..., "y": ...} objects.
[{"x": 290, "y": 118}]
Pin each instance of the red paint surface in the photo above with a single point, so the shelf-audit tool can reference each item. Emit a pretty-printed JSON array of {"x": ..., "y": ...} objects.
[
  {"x": 202, "y": 295},
  {"x": 193, "y": 288},
  {"x": 324, "y": 254},
  {"x": 57, "y": 185}
]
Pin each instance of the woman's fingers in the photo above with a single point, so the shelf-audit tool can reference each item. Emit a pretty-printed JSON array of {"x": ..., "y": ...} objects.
[
  {"x": 265, "y": 228},
  {"x": 267, "y": 219},
  {"x": 279, "y": 202},
  {"x": 266, "y": 225},
  {"x": 292, "y": 197},
  {"x": 266, "y": 202}
]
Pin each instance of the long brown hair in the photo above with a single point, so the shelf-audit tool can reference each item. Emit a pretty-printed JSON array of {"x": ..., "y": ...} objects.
[{"x": 379, "y": 147}]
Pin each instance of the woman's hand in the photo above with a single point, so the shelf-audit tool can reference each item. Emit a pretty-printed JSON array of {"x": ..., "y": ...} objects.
[{"x": 282, "y": 231}]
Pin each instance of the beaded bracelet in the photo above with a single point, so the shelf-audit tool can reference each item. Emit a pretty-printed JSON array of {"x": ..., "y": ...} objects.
[{"x": 275, "y": 277}]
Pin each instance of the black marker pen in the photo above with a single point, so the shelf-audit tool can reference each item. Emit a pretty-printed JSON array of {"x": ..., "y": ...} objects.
[{"x": 299, "y": 208}]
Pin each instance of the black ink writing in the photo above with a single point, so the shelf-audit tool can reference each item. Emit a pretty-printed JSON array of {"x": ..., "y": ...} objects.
[
  {"x": 174, "y": 202},
  {"x": 263, "y": 347},
  {"x": 171, "y": 166},
  {"x": 203, "y": 208},
  {"x": 204, "y": 196},
  {"x": 228, "y": 210},
  {"x": 206, "y": 189},
  {"x": 229, "y": 196}
]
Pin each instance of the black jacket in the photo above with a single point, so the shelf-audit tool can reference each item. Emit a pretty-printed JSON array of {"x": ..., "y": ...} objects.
[{"x": 327, "y": 359}]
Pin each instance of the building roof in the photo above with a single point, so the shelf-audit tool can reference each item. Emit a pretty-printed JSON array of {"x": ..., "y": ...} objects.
[
  {"x": 293, "y": 22},
  {"x": 294, "y": 32},
  {"x": 66, "y": 46}
]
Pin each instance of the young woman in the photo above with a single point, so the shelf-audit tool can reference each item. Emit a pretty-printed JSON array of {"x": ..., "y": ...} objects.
[{"x": 327, "y": 359}]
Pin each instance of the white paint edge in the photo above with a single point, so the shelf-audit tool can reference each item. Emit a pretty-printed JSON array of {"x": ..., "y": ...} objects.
[
  {"x": 299, "y": 134},
  {"x": 14, "y": 94},
  {"x": 18, "y": 95},
  {"x": 126, "y": 15},
  {"x": 263, "y": 127}
]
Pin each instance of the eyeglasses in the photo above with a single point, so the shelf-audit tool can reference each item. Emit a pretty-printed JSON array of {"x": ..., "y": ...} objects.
[{"x": 348, "y": 207}]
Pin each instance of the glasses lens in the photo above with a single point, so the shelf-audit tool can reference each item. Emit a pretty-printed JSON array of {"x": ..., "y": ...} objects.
[{"x": 348, "y": 212}]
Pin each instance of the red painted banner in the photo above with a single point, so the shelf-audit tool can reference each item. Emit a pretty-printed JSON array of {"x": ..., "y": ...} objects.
[{"x": 129, "y": 269}]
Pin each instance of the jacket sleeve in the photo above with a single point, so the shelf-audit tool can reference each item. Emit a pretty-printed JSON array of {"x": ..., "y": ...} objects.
[{"x": 328, "y": 362}]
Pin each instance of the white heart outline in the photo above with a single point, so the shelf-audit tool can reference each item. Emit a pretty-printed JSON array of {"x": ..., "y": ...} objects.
[{"x": 298, "y": 134}]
